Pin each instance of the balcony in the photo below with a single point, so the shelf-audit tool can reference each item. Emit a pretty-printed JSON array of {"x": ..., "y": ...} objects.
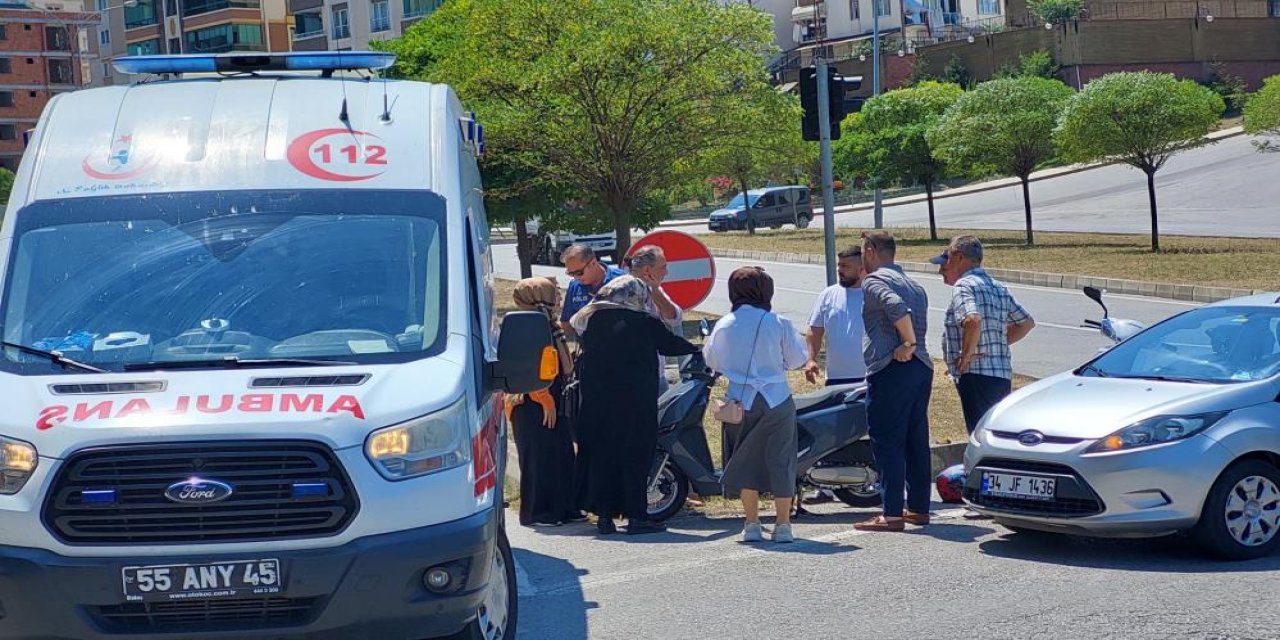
[
  {"x": 207, "y": 6},
  {"x": 308, "y": 35}
]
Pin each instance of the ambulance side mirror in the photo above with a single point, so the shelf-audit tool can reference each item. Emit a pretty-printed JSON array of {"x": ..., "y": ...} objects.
[{"x": 527, "y": 360}]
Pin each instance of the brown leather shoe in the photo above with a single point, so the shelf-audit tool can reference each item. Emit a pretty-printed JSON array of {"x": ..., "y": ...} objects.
[
  {"x": 920, "y": 519},
  {"x": 880, "y": 523}
]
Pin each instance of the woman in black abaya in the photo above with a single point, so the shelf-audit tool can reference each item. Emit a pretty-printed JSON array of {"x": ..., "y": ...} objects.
[{"x": 618, "y": 426}]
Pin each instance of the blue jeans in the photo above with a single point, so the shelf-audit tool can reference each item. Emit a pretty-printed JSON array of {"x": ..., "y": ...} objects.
[{"x": 898, "y": 418}]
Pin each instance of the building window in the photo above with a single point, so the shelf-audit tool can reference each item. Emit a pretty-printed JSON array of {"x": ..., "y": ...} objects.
[
  {"x": 6, "y": 98},
  {"x": 145, "y": 48},
  {"x": 31, "y": 94},
  {"x": 884, "y": 8},
  {"x": 102, "y": 5},
  {"x": 225, "y": 37},
  {"x": 5, "y": 67},
  {"x": 60, "y": 71},
  {"x": 140, "y": 15},
  {"x": 56, "y": 39},
  {"x": 419, "y": 8},
  {"x": 380, "y": 16},
  {"x": 855, "y": 10},
  {"x": 205, "y": 6},
  {"x": 1273, "y": 10},
  {"x": 989, "y": 7},
  {"x": 341, "y": 27},
  {"x": 104, "y": 37},
  {"x": 307, "y": 25},
  {"x": 8, "y": 132},
  {"x": 4, "y": 34}
]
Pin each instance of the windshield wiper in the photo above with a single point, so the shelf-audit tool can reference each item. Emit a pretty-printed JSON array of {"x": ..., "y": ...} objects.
[
  {"x": 54, "y": 356},
  {"x": 232, "y": 362},
  {"x": 1095, "y": 370},
  {"x": 1167, "y": 379}
]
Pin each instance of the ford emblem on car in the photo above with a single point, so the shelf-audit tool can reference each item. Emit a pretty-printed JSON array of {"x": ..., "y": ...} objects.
[
  {"x": 198, "y": 491},
  {"x": 1031, "y": 438}
]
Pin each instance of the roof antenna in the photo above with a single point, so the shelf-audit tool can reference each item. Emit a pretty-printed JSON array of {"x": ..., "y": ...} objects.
[
  {"x": 386, "y": 110},
  {"x": 342, "y": 115}
]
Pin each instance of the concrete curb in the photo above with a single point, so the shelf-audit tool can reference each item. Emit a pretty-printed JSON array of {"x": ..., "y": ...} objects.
[
  {"x": 946, "y": 455},
  {"x": 1187, "y": 292}
]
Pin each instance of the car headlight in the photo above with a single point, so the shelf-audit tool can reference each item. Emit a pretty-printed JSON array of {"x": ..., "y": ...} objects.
[
  {"x": 429, "y": 444},
  {"x": 17, "y": 462},
  {"x": 1157, "y": 430}
]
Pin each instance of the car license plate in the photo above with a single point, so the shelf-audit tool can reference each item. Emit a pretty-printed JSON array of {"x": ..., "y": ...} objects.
[
  {"x": 1008, "y": 485},
  {"x": 200, "y": 581}
]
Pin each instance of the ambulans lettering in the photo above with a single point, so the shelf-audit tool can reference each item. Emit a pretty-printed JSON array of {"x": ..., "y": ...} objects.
[
  {"x": 338, "y": 155},
  {"x": 183, "y": 405}
]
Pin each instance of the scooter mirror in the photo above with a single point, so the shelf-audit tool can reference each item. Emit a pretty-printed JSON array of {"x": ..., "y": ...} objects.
[
  {"x": 704, "y": 328},
  {"x": 1095, "y": 294}
]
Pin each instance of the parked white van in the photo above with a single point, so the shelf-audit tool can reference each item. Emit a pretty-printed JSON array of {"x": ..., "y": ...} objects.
[{"x": 251, "y": 368}]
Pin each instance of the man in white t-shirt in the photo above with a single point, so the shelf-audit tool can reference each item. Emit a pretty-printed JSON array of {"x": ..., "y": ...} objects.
[{"x": 837, "y": 316}]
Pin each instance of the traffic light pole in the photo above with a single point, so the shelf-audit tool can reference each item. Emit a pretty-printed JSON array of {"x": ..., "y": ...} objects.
[
  {"x": 878, "y": 216},
  {"x": 828, "y": 194}
]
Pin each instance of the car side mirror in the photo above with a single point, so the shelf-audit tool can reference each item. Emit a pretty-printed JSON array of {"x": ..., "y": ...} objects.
[{"x": 527, "y": 359}]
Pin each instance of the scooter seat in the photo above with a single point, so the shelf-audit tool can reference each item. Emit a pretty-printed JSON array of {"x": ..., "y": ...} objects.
[{"x": 824, "y": 398}]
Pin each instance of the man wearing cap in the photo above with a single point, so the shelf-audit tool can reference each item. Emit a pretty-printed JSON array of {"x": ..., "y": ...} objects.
[{"x": 981, "y": 322}]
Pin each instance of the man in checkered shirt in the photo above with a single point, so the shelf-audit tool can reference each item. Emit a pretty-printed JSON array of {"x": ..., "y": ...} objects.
[{"x": 982, "y": 320}]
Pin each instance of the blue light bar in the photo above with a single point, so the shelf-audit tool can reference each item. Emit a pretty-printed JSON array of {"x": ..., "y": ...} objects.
[
  {"x": 305, "y": 490},
  {"x": 327, "y": 61},
  {"x": 98, "y": 496}
]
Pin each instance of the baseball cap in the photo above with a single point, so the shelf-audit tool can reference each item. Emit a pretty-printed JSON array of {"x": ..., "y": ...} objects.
[{"x": 941, "y": 258}]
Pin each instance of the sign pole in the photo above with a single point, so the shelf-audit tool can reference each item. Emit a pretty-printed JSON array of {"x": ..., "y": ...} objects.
[{"x": 828, "y": 195}]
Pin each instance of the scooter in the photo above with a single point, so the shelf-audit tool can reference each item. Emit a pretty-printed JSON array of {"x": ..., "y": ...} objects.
[
  {"x": 1116, "y": 329},
  {"x": 833, "y": 451}
]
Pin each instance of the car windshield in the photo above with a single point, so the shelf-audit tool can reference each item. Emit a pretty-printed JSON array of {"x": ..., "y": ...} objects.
[
  {"x": 737, "y": 200},
  {"x": 1209, "y": 344},
  {"x": 119, "y": 281}
]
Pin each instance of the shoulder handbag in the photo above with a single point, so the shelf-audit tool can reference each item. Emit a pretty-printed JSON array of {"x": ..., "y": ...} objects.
[{"x": 730, "y": 411}]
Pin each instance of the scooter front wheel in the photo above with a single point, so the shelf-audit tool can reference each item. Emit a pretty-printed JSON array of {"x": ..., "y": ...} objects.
[{"x": 668, "y": 493}]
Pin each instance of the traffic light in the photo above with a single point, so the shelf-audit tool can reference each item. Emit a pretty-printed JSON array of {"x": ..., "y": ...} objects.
[{"x": 837, "y": 86}]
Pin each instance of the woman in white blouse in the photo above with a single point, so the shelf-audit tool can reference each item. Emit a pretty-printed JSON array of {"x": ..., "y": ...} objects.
[{"x": 753, "y": 348}]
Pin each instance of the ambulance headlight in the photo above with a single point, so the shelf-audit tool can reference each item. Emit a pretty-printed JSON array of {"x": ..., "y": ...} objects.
[
  {"x": 434, "y": 442},
  {"x": 17, "y": 462}
]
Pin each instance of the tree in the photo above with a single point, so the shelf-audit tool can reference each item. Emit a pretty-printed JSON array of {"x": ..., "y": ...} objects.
[
  {"x": 1005, "y": 126},
  {"x": 1139, "y": 118},
  {"x": 887, "y": 138},
  {"x": 6, "y": 185},
  {"x": 1056, "y": 11},
  {"x": 1038, "y": 63},
  {"x": 1262, "y": 115},
  {"x": 1231, "y": 88},
  {"x": 955, "y": 72},
  {"x": 609, "y": 98}
]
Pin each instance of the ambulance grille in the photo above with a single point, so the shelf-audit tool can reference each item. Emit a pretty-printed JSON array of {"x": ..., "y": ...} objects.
[
  {"x": 349, "y": 380},
  {"x": 280, "y": 490}
]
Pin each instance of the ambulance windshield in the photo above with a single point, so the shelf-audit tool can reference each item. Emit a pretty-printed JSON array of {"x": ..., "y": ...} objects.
[{"x": 343, "y": 276}]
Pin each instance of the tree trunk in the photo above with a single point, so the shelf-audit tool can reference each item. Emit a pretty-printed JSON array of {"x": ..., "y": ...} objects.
[
  {"x": 621, "y": 210},
  {"x": 746, "y": 205},
  {"x": 933, "y": 224},
  {"x": 1155, "y": 225},
  {"x": 523, "y": 246},
  {"x": 1026, "y": 205}
]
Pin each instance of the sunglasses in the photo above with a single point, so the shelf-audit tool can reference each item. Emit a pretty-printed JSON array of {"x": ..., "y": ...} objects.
[{"x": 577, "y": 273}]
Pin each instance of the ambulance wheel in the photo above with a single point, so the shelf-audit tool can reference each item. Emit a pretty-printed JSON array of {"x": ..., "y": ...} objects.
[{"x": 496, "y": 619}]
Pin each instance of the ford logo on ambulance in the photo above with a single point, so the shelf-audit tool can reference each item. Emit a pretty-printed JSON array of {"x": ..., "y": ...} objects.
[{"x": 198, "y": 491}]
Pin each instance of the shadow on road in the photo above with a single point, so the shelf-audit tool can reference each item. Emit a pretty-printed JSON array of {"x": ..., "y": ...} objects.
[
  {"x": 554, "y": 607},
  {"x": 1171, "y": 554}
]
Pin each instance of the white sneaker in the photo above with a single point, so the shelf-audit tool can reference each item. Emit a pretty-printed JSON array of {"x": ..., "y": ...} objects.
[
  {"x": 782, "y": 533},
  {"x": 752, "y": 532}
]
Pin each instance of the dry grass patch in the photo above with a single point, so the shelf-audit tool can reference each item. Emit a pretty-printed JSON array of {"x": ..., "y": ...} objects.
[{"x": 1247, "y": 263}]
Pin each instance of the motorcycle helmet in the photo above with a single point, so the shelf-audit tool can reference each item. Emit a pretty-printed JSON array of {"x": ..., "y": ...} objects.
[{"x": 951, "y": 484}]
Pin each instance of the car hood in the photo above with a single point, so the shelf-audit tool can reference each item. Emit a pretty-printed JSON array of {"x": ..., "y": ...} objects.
[
  {"x": 726, "y": 213},
  {"x": 1082, "y": 407}
]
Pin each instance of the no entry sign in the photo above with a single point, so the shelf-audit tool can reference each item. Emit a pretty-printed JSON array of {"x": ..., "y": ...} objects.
[{"x": 690, "y": 269}]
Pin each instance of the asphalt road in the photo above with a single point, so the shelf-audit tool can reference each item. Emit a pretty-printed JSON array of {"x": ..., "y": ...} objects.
[
  {"x": 1057, "y": 344},
  {"x": 954, "y": 579},
  {"x": 1224, "y": 189}
]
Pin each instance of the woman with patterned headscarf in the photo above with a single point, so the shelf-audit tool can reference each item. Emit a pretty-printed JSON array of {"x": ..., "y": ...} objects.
[
  {"x": 544, "y": 441},
  {"x": 618, "y": 425}
]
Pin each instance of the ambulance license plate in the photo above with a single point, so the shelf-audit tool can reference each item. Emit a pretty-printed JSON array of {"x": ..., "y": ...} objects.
[{"x": 201, "y": 581}]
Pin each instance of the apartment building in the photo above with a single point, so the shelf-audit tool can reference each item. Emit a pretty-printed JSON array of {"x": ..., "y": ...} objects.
[
  {"x": 44, "y": 50},
  {"x": 148, "y": 27},
  {"x": 342, "y": 25}
]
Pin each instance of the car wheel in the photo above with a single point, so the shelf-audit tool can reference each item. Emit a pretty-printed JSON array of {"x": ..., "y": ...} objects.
[
  {"x": 751, "y": 226},
  {"x": 1241, "y": 515},
  {"x": 496, "y": 619},
  {"x": 802, "y": 222}
]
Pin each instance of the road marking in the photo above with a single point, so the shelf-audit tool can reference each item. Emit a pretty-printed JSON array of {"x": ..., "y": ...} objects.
[{"x": 580, "y": 585}]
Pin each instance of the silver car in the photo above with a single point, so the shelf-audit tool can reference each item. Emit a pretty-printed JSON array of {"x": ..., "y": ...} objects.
[{"x": 1175, "y": 429}]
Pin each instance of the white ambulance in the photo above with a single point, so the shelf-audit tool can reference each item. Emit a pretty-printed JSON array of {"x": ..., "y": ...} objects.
[{"x": 251, "y": 372}]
